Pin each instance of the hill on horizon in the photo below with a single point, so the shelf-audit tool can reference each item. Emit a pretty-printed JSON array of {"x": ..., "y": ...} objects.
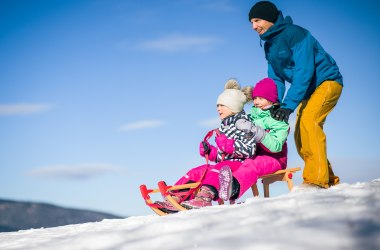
[{"x": 22, "y": 215}]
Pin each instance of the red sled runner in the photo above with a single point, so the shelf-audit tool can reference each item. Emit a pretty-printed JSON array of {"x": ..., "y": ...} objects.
[{"x": 168, "y": 192}]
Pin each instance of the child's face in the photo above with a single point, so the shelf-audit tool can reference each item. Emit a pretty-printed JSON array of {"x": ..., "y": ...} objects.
[
  {"x": 262, "y": 103},
  {"x": 223, "y": 111}
]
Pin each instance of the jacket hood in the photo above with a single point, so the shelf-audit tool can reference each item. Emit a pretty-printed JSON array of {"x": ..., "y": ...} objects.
[{"x": 278, "y": 26}]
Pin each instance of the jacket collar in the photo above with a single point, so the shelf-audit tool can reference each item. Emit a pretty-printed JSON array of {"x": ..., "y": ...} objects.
[
  {"x": 258, "y": 112},
  {"x": 277, "y": 28},
  {"x": 233, "y": 118}
]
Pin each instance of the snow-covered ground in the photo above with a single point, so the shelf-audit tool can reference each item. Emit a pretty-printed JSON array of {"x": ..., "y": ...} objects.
[{"x": 343, "y": 217}]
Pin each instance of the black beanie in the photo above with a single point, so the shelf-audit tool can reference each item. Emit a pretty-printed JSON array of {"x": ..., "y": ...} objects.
[{"x": 264, "y": 10}]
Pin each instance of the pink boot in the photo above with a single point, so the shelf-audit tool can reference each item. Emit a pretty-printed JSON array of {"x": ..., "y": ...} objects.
[
  {"x": 166, "y": 206},
  {"x": 202, "y": 199},
  {"x": 225, "y": 183}
]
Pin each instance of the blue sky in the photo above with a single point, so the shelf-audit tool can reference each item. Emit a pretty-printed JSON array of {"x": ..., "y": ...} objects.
[{"x": 100, "y": 96}]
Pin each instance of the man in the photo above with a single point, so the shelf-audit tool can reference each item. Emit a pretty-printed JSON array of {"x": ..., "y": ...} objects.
[{"x": 296, "y": 57}]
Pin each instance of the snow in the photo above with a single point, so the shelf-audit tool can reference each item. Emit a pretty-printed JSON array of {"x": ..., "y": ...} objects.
[{"x": 346, "y": 216}]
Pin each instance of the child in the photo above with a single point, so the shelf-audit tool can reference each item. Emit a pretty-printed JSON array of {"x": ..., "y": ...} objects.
[
  {"x": 233, "y": 146},
  {"x": 270, "y": 136}
]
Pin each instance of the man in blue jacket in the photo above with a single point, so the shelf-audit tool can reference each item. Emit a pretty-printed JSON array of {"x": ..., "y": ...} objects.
[{"x": 296, "y": 57}]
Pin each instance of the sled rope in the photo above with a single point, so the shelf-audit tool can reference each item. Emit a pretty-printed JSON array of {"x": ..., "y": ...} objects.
[
  {"x": 183, "y": 195},
  {"x": 207, "y": 137}
]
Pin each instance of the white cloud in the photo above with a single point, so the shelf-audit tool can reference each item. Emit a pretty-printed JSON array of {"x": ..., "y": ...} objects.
[
  {"x": 210, "y": 123},
  {"x": 179, "y": 42},
  {"x": 141, "y": 125},
  {"x": 23, "y": 108},
  {"x": 74, "y": 172}
]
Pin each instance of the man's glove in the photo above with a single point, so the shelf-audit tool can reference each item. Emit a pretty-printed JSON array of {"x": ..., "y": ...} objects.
[
  {"x": 206, "y": 149},
  {"x": 251, "y": 129},
  {"x": 281, "y": 114},
  {"x": 225, "y": 144}
]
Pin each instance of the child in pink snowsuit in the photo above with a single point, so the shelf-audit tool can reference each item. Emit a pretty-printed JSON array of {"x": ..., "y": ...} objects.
[
  {"x": 270, "y": 136},
  {"x": 233, "y": 147}
]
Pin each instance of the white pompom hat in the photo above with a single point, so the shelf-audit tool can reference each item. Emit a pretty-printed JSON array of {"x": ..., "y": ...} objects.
[{"x": 232, "y": 96}]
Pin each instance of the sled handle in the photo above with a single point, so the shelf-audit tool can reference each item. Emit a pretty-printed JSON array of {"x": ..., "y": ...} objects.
[
  {"x": 210, "y": 133},
  {"x": 207, "y": 137}
]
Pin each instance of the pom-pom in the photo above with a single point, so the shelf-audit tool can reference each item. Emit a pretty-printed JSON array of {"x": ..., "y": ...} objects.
[
  {"x": 247, "y": 90},
  {"x": 232, "y": 84}
]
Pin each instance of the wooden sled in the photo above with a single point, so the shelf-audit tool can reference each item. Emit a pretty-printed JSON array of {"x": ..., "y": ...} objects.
[
  {"x": 167, "y": 191},
  {"x": 281, "y": 175}
]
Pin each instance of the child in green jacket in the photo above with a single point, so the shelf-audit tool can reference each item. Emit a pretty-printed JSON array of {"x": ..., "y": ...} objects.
[{"x": 271, "y": 148}]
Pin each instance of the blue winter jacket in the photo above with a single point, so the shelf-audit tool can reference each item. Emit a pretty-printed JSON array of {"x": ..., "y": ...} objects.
[{"x": 295, "y": 56}]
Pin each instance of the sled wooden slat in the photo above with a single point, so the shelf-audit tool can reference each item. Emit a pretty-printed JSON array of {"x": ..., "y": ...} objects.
[
  {"x": 164, "y": 191},
  {"x": 281, "y": 175},
  {"x": 179, "y": 187},
  {"x": 183, "y": 186}
]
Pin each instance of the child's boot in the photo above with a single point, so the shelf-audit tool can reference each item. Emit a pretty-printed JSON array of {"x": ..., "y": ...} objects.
[
  {"x": 225, "y": 183},
  {"x": 166, "y": 206},
  {"x": 229, "y": 187},
  {"x": 203, "y": 198}
]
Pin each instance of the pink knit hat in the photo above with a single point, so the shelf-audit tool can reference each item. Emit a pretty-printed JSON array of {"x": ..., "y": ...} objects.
[{"x": 267, "y": 89}]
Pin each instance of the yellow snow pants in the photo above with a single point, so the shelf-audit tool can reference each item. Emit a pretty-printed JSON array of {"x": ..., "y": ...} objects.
[{"x": 309, "y": 137}]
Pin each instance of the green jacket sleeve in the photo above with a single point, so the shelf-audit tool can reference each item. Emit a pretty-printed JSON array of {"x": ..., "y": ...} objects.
[{"x": 275, "y": 138}]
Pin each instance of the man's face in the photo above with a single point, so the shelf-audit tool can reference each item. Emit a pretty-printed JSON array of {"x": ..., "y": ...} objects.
[{"x": 260, "y": 25}]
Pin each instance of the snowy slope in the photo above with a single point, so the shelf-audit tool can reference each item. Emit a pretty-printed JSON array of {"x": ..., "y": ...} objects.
[{"x": 343, "y": 217}]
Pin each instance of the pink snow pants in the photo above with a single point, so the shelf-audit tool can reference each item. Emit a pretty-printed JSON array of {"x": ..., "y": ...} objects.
[
  {"x": 212, "y": 175},
  {"x": 246, "y": 173},
  {"x": 251, "y": 169}
]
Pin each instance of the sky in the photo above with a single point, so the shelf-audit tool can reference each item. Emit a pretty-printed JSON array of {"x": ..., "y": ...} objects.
[
  {"x": 100, "y": 96},
  {"x": 343, "y": 217}
]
